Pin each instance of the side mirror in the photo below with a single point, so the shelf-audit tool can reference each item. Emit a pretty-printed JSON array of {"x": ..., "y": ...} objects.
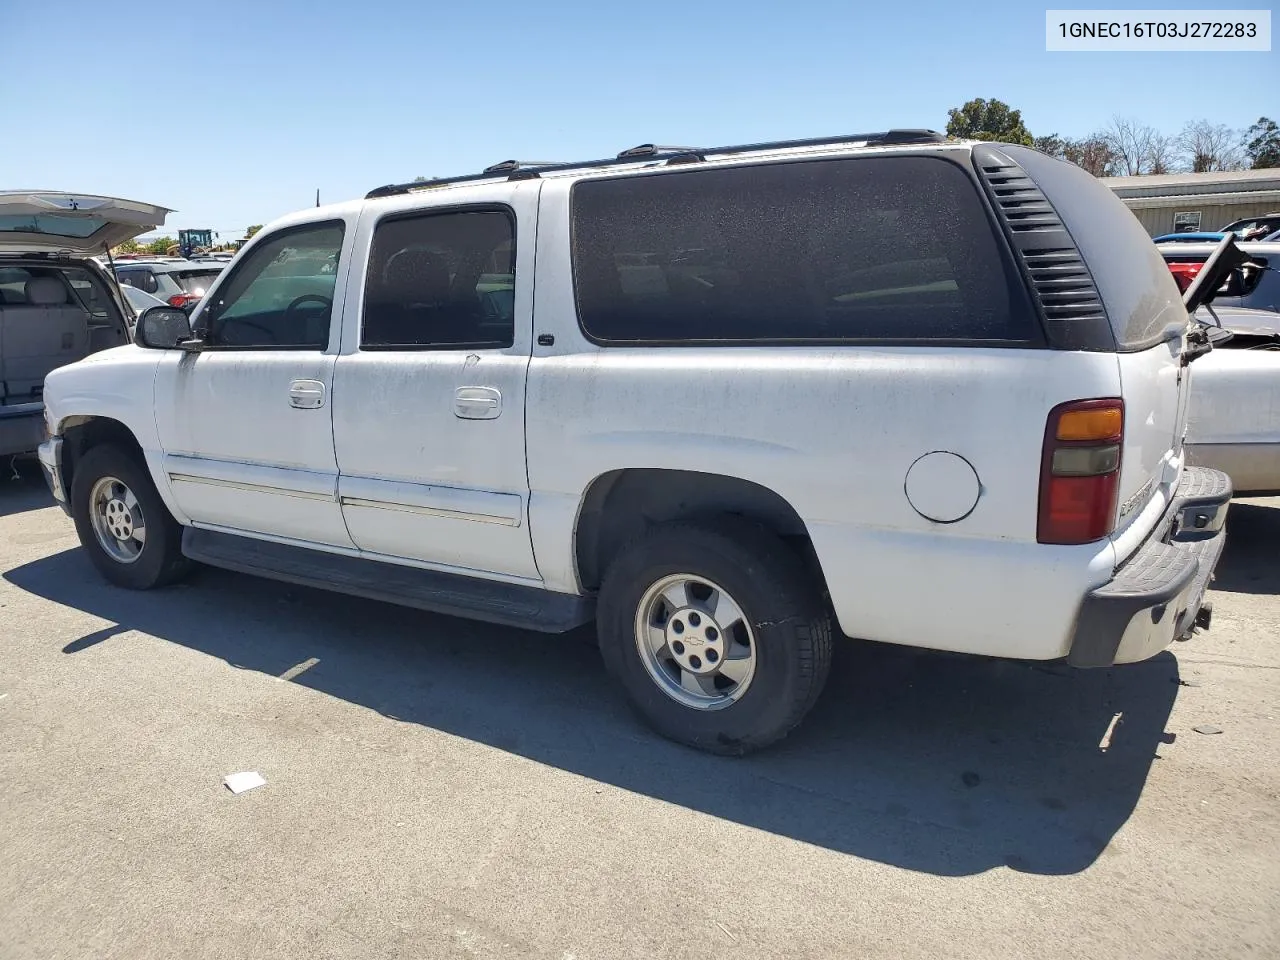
[{"x": 162, "y": 328}]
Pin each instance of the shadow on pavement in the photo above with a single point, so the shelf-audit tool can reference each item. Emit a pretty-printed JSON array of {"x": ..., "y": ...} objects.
[
  {"x": 1250, "y": 563},
  {"x": 941, "y": 764},
  {"x": 25, "y": 492}
]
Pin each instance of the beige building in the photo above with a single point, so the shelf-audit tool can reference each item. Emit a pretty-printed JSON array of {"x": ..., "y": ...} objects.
[{"x": 1200, "y": 202}]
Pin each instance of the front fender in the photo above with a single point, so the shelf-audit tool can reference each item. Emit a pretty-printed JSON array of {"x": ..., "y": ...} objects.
[{"x": 118, "y": 385}]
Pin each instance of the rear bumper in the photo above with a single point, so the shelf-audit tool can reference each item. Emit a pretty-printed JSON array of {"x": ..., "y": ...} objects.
[
  {"x": 50, "y": 454},
  {"x": 1156, "y": 595}
]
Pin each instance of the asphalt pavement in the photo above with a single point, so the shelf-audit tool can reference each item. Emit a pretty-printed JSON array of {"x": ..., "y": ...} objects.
[{"x": 440, "y": 788}]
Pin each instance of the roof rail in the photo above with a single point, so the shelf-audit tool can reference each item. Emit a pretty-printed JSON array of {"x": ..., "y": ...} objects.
[
  {"x": 510, "y": 166},
  {"x": 516, "y": 170},
  {"x": 647, "y": 151}
]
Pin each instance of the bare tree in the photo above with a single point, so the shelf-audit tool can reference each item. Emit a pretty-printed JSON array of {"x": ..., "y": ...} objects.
[
  {"x": 1092, "y": 154},
  {"x": 1210, "y": 146},
  {"x": 1162, "y": 153},
  {"x": 1131, "y": 144}
]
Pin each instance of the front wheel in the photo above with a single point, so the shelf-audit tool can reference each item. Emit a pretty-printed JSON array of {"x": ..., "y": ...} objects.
[
  {"x": 122, "y": 523},
  {"x": 717, "y": 634}
]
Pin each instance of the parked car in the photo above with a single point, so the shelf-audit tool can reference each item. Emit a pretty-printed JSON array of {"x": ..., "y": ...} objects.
[
  {"x": 931, "y": 392},
  {"x": 1255, "y": 285},
  {"x": 180, "y": 283},
  {"x": 1254, "y": 228},
  {"x": 1189, "y": 237},
  {"x": 139, "y": 300},
  {"x": 56, "y": 304},
  {"x": 1232, "y": 424}
]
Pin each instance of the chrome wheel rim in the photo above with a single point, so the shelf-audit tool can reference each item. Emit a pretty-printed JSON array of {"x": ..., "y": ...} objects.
[
  {"x": 695, "y": 642},
  {"x": 117, "y": 520}
]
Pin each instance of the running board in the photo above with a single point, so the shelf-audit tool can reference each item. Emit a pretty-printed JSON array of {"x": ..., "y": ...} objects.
[{"x": 475, "y": 598}]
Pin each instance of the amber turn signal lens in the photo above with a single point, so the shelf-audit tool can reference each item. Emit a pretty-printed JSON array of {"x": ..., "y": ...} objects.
[{"x": 1098, "y": 423}]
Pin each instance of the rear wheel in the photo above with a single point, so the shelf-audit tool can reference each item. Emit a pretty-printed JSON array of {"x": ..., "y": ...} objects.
[
  {"x": 122, "y": 523},
  {"x": 717, "y": 634}
]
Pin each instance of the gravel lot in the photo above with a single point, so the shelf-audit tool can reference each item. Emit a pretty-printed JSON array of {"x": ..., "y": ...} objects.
[{"x": 438, "y": 788}]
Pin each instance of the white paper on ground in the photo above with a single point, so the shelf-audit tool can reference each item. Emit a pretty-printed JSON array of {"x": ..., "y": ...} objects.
[{"x": 240, "y": 782}]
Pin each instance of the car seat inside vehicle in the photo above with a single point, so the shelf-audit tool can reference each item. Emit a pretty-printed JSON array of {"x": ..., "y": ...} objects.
[{"x": 45, "y": 325}]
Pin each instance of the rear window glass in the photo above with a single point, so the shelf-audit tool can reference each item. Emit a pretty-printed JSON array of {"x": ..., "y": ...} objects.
[
  {"x": 814, "y": 251},
  {"x": 195, "y": 282},
  {"x": 51, "y": 224}
]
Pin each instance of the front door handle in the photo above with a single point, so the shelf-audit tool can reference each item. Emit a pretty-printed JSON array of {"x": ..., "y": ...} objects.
[
  {"x": 306, "y": 394},
  {"x": 477, "y": 403}
]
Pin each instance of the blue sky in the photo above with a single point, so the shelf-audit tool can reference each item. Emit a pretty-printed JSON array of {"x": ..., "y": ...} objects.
[{"x": 235, "y": 113}]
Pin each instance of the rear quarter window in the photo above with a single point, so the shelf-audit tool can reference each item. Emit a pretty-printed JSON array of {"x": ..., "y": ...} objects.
[
  {"x": 859, "y": 249},
  {"x": 1138, "y": 292}
]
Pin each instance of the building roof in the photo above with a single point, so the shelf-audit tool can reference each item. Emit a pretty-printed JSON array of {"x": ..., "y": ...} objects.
[{"x": 1180, "y": 184}]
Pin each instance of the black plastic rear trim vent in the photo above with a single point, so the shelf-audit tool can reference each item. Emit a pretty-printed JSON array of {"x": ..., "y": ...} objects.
[{"x": 1060, "y": 281}]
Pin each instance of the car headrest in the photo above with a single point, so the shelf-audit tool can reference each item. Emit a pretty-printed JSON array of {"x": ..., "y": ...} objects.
[{"x": 45, "y": 292}]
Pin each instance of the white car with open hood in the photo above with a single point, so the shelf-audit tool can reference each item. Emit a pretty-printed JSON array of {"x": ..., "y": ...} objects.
[
  {"x": 926, "y": 392},
  {"x": 1233, "y": 424},
  {"x": 57, "y": 305}
]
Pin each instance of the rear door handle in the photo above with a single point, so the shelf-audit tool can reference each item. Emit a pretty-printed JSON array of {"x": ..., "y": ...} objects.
[
  {"x": 477, "y": 403},
  {"x": 306, "y": 394}
]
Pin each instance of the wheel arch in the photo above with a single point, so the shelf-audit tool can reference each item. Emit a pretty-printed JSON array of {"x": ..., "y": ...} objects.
[
  {"x": 620, "y": 505},
  {"x": 81, "y": 433}
]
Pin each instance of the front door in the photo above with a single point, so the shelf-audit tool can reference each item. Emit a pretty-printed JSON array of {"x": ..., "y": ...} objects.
[
  {"x": 246, "y": 423},
  {"x": 429, "y": 389}
]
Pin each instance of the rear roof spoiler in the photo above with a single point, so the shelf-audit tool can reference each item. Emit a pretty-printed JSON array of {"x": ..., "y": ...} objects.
[{"x": 1225, "y": 258}]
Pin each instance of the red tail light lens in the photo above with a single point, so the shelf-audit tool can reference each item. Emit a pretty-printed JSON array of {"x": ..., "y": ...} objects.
[
  {"x": 1184, "y": 273},
  {"x": 181, "y": 299},
  {"x": 1080, "y": 471}
]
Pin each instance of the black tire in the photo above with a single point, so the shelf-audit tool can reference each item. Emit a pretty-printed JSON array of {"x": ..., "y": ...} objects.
[
  {"x": 779, "y": 600},
  {"x": 160, "y": 561}
]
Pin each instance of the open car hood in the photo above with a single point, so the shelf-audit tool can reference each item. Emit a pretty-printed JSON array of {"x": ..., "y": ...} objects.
[
  {"x": 1226, "y": 257},
  {"x": 49, "y": 221},
  {"x": 1245, "y": 321}
]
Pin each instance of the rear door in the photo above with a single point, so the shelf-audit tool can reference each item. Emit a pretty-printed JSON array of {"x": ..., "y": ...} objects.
[{"x": 429, "y": 391}]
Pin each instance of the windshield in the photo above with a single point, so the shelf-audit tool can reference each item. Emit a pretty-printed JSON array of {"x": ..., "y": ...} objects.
[{"x": 195, "y": 282}]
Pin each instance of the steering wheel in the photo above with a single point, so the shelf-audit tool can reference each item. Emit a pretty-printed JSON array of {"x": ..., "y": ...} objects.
[
  {"x": 268, "y": 335},
  {"x": 318, "y": 298}
]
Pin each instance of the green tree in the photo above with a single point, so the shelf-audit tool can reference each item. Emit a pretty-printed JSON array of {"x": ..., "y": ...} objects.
[
  {"x": 1053, "y": 145},
  {"x": 1262, "y": 144},
  {"x": 160, "y": 245},
  {"x": 250, "y": 231},
  {"x": 129, "y": 246},
  {"x": 988, "y": 120}
]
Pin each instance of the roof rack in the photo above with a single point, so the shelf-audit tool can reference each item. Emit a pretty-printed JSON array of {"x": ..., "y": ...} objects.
[{"x": 517, "y": 170}]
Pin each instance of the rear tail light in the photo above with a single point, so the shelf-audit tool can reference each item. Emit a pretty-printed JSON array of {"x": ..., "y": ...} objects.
[
  {"x": 181, "y": 299},
  {"x": 1184, "y": 273},
  {"x": 1080, "y": 471}
]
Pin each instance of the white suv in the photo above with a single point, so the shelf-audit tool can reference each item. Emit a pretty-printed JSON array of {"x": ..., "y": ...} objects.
[{"x": 718, "y": 400}]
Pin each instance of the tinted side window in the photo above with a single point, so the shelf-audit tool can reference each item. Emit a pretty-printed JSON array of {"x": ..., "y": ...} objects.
[
  {"x": 441, "y": 280},
  {"x": 144, "y": 280},
  {"x": 281, "y": 294},
  {"x": 830, "y": 250}
]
